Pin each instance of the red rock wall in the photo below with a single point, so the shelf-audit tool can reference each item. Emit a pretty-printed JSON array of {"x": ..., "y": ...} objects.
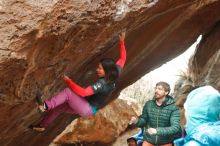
[{"x": 42, "y": 39}]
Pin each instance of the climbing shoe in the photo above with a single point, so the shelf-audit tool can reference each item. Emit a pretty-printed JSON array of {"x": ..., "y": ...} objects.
[
  {"x": 41, "y": 105},
  {"x": 41, "y": 108}
]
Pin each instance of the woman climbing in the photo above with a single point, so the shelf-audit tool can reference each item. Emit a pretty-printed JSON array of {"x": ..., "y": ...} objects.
[{"x": 84, "y": 101}]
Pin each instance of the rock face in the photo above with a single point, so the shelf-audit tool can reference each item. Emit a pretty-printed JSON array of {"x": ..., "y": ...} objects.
[
  {"x": 102, "y": 129},
  {"x": 204, "y": 66},
  {"x": 42, "y": 39}
]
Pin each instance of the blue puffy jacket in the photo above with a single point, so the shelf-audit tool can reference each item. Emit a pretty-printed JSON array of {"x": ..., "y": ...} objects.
[{"x": 202, "y": 106}]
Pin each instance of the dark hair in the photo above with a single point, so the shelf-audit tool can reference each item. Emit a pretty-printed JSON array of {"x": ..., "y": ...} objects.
[
  {"x": 165, "y": 85},
  {"x": 132, "y": 139},
  {"x": 111, "y": 71}
]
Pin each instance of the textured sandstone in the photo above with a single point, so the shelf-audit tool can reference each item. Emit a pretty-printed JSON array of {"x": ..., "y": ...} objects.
[{"x": 41, "y": 39}]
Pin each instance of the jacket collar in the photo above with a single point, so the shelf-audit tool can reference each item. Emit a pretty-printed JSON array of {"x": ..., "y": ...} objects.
[{"x": 168, "y": 100}]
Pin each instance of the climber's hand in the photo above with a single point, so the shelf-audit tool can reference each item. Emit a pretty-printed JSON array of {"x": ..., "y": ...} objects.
[
  {"x": 122, "y": 36},
  {"x": 65, "y": 77}
]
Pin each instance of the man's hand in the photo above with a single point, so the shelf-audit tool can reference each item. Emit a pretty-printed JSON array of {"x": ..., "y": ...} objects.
[
  {"x": 133, "y": 120},
  {"x": 152, "y": 131},
  {"x": 122, "y": 36}
]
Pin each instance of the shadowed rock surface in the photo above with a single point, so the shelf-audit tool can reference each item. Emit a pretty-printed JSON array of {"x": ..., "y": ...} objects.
[
  {"x": 39, "y": 40},
  {"x": 103, "y": 128},
  {"x": 203, "y": 67}
]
